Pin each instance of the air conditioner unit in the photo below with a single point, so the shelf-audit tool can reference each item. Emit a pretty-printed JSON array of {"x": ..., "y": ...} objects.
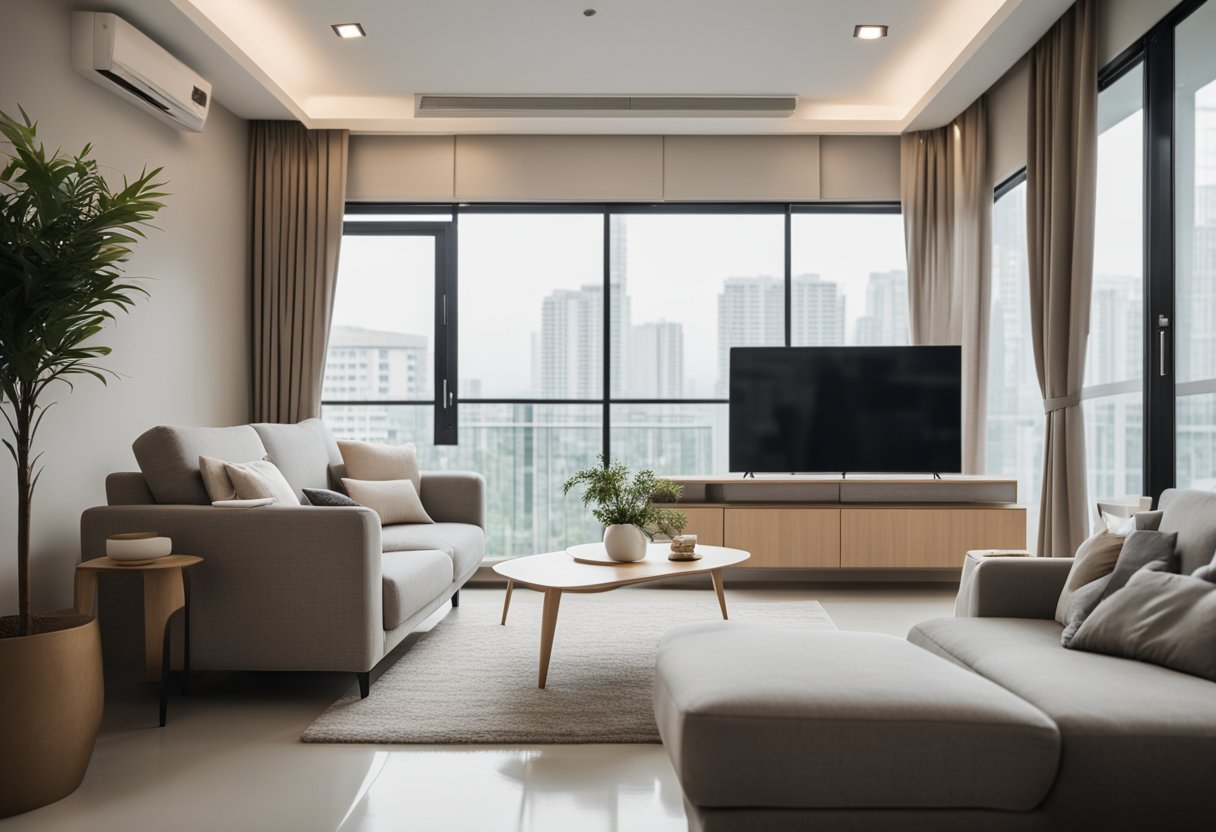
[{"x": 113, "y": 53}]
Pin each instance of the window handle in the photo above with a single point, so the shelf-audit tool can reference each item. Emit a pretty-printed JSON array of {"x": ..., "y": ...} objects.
[{"x": 1163, "y": 323}]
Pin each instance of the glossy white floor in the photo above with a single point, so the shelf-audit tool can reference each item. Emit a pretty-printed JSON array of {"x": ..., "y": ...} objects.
[{"x": 230, "y": 758}]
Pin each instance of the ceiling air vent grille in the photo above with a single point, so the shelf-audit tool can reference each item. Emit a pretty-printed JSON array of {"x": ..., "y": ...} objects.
[{"x": 488, "y": 106}]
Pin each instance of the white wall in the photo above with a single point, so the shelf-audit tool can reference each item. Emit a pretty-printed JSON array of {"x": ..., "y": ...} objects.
[
  {"x": 184, "y": 351},
  {"x": 1120, "y": 23}
]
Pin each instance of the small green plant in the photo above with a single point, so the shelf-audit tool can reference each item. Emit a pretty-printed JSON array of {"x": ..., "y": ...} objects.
[
  {"x": 65, "y": 234},
  {"x": 616, "y": 499}
]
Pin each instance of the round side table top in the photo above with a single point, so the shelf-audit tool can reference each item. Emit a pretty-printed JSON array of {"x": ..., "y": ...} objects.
[{"x": 106, "y": 564}]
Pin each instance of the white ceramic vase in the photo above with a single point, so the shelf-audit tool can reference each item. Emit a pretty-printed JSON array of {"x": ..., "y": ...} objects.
[{"x": 624, "y": 542}]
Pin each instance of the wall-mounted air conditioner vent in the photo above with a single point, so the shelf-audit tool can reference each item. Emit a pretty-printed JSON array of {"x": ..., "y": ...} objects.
[
  {"x": 111, "y": 52},
  {"x": 494, "y": 106}
]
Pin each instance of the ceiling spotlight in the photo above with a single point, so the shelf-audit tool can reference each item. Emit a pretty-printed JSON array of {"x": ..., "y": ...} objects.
[
  {"x": 868, "y": 31},
  {"x": 588, "y": 12},
  {"x": 346, "y": 31}
]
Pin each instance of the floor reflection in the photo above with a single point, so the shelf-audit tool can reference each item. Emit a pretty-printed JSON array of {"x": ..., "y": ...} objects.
[{"x": 591, "y": 788}]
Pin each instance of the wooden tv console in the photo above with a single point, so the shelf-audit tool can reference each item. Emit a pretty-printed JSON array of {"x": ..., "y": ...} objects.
[{"x": 864, "y": 522}]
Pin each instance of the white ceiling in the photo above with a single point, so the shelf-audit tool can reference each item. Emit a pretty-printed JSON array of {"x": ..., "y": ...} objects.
[{"x": 279, "y": 58}]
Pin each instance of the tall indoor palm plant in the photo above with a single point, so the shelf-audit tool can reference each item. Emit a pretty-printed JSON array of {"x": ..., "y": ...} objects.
[{"x": 65, "y": 234}]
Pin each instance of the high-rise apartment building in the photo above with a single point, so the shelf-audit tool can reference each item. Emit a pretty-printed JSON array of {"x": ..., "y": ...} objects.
[
  {"x": 820, "y": 318},
  {"x": 372, "y": 365},
  {"x": 656, "y": 361},
  {"x": 751, "y": 313},
  {"x": 885, "y": 322}
]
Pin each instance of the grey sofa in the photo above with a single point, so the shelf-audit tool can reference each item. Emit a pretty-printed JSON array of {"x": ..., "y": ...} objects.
[
  {"x": 287, "y": 588},
  {"x": 987, "y": 724}
]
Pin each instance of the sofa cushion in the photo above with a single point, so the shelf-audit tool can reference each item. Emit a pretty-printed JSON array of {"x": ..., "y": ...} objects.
[
  {"x": 1140, "y": 549},
  {"x": 1135, "y": 736},
  {"x": 1192, "y": 514},
  {"x": 1095, "y": 558},
  {"x": 371, "y": 461},
  {"x": 760, "y": 716},
  {"x": 303, "y": 452},
  {"x": 411, "y": 580},
  {"x": 1161, "y": 618},
  {"x": 396, "y": 501},
  {"x": 168, "y": 457},
  {"x": 464, "y": 543},
  {"x": 327, "y": 498},
  {"x": 258, "y": 480}
]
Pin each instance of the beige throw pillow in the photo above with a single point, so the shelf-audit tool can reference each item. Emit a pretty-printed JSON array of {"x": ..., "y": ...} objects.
[
  {"x": 396, "y": 501},
  {"x": 1095, "y": 558},
  {"x": 256, "y": 480},
  {"x": 368, "y": 461},
  {"x": 215, "y": 479}
]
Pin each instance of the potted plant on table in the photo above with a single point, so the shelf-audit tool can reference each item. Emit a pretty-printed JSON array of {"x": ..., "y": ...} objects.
[
  {"x": 626, "y": 507},
  {"x": 64, "y": 235}
]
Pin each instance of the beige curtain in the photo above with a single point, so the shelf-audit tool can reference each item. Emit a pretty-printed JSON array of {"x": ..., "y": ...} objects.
[
  {"x": 298, "y": 182},
  {"x": 1061, "y": 182},
  {"x": 947, "y": 209}
]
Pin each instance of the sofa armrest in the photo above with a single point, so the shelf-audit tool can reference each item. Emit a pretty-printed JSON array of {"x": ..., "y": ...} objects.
[
  {"x": 454, "y": 497},
  {"x": 1016, "y": 587},
  {"x": 279, "y": 588}
]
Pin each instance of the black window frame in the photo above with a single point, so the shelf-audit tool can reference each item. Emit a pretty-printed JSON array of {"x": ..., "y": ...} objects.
[
  {"x": 1155, "y": 52},
  {"x": 447, "y": 366}
]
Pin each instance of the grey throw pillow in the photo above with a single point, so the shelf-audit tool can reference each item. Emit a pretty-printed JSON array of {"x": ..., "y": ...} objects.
[
  {"x": 1160, "y": 618},
  {"x": 325, "y": 497},
  {"x": 1140, "y": 549}
]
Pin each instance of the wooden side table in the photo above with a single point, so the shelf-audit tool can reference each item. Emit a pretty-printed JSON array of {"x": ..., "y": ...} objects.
[{"x": 166, "y": 590}]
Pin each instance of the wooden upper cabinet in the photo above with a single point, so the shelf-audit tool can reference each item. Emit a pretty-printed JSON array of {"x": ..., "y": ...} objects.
[
  {"x": 785, "y": 537},
  {"x": 925, "y": 537}
]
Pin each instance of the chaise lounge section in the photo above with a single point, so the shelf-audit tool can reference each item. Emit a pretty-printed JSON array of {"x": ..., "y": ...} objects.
[
  {"x": 287, "y": 587},
  {"x": 983, "y": 721}
]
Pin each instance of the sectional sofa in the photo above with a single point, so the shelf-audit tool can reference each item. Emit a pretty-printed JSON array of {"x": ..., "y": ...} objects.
[{"x": 978, "y": 722}]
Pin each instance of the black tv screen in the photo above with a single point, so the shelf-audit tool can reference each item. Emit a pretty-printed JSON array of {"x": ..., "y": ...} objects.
[{"x": 846, "y": 409}]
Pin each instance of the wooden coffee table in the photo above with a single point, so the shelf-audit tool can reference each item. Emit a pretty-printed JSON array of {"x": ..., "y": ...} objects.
[{"x": 556, "y": 572}]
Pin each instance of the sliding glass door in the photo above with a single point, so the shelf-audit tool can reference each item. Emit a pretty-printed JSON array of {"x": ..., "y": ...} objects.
[
  {"x": 1113, "y": 391},
  {"x": 1195, "y": 248}
]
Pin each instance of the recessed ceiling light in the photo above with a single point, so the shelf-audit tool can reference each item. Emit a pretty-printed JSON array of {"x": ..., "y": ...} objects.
[
  {"x": 349, "y": 30},
  {"x": 588, "y": 12},
  {"x": 869, "y": 31}
]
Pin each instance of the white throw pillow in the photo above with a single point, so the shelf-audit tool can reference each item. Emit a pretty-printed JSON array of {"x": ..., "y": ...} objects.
[
  {"x": 255, "y": 480},
  {"x": 368, "y": 461},
  {"x": 396, "y": 501}
]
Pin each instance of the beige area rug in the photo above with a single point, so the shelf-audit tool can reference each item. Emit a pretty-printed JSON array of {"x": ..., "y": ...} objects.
[{"x": 470, "y": 680}]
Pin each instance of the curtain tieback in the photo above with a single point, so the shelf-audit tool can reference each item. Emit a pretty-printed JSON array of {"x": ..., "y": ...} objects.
[{"x": 1060, "y": 402}]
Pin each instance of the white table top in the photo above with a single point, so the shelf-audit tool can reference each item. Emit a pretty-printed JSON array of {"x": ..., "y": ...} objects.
[{"x": 558, "y": 570}]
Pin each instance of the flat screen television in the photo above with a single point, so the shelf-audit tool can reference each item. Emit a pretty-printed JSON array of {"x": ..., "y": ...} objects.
[{"x": 846, "y": 410}]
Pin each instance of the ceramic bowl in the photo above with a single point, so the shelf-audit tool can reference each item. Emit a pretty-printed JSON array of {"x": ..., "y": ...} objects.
[{"x": 141, "y": 546}]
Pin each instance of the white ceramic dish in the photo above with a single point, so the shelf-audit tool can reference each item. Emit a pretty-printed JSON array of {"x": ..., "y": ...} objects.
[{"x": 138, "y": 546}]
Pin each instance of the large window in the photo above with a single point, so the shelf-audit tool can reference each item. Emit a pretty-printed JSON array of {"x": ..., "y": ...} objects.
[
  {"x": 850, "y": 280},
  {"x": 1114, "y": 368},
  {"x": 1014, "y": 445},
  {"x": 1195, "y": 249},
  {"x": 586, "y": 330}
]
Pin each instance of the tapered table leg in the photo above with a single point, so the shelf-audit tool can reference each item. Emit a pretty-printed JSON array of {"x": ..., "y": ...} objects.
[
  {"x": 506, "y": 604},
  {"x": 716, "y": 577},
  {"x": 164, "y": 594},
  {"x": 548, "y": 624}
]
